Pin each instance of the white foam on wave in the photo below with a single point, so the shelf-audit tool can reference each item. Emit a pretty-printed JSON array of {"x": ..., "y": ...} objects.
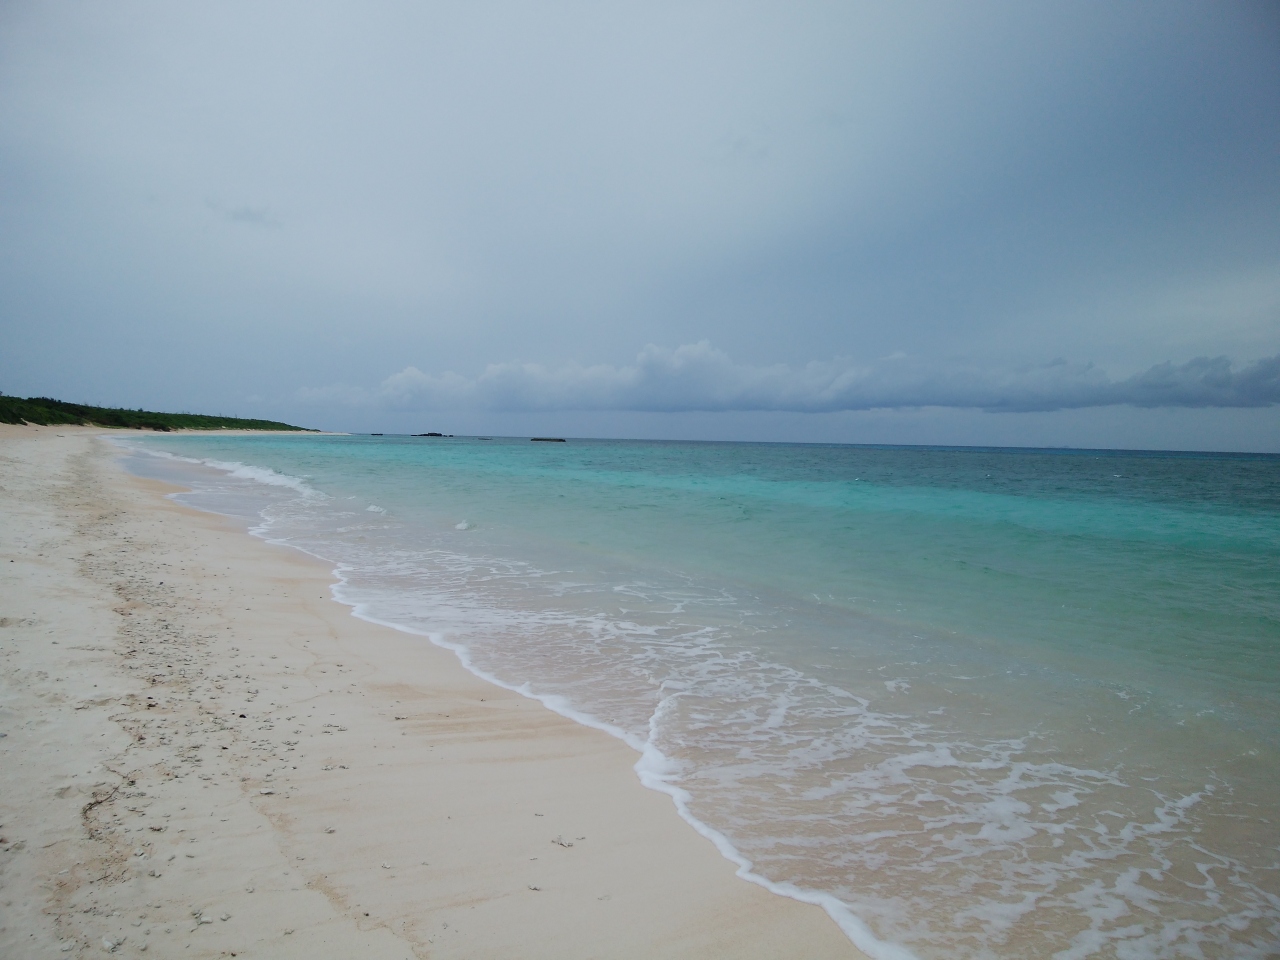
[
  {"x": 655, "y": 771},
  {"x": 777, "y": 722},
  {"x": 264, "y": 475},
  {"x": 232, "y": 468},
  {"x": 968, "y": 806}
]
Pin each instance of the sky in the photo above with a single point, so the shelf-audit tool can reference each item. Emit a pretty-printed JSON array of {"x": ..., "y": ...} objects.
[{"x": 1035, "y": 224}]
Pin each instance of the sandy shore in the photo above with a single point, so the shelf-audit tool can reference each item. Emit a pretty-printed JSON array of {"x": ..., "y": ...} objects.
[{"x": 205, "y": 756}]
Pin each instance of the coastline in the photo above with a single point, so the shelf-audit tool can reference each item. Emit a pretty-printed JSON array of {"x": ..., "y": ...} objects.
[{"x": 375, "y": 799}]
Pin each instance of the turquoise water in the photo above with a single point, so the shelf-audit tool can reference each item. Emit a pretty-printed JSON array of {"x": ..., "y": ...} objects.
[{"x": 977, "y": 702}]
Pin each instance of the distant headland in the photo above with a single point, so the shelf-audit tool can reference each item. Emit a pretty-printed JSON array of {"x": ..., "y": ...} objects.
[{"x": 47, "y": 412}]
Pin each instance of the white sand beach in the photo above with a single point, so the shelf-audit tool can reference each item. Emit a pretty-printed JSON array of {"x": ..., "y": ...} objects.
[{"x": 204, "y": 755}]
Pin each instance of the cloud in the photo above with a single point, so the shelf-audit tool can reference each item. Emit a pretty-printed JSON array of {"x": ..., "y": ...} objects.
[
  {"x": 699, "y": 377},
  {"x": 356, "y": 188},
  {"x": 258, "y": 216}
]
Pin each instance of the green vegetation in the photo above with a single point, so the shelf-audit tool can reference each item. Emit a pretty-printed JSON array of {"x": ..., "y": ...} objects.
[{"x": 44, "y": 411}]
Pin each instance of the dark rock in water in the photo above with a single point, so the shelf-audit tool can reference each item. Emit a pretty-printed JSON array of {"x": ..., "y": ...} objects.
[
  {"x": 375, "y": 434},
  {"x": 428, "y": 434},
  {"x": 547, "y": 439}
]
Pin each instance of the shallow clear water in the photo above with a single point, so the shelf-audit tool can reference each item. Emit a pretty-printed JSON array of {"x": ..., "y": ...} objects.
[{"x": 995, "y": 703}]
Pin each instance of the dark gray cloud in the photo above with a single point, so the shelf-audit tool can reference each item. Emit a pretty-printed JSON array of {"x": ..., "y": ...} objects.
[
  {"x": 202, "y": 204},
  {"x": 698, "y": 377}
]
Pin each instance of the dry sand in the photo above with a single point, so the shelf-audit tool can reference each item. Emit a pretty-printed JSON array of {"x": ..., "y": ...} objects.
[{"x": 202, "y": 755}]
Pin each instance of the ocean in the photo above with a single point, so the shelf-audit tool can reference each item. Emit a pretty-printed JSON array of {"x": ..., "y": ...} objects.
[{"x": 975, "y": 702}]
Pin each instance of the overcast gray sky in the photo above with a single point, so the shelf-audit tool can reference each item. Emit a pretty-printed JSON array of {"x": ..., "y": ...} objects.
[{"x": 1026, "y": 223}]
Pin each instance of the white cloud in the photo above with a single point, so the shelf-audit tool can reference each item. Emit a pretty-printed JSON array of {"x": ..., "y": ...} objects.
[{"x": 699, "y": 377}]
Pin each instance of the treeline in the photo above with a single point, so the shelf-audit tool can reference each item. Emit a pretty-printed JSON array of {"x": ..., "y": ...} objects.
[{"x": 44, "y": 411}]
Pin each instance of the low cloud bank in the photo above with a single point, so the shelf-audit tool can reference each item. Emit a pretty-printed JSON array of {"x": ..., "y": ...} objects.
[{"x": 698, "y": 377}]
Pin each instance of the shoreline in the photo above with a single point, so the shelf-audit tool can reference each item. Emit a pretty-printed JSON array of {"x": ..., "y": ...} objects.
[{"x": 375, "y": 798}]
